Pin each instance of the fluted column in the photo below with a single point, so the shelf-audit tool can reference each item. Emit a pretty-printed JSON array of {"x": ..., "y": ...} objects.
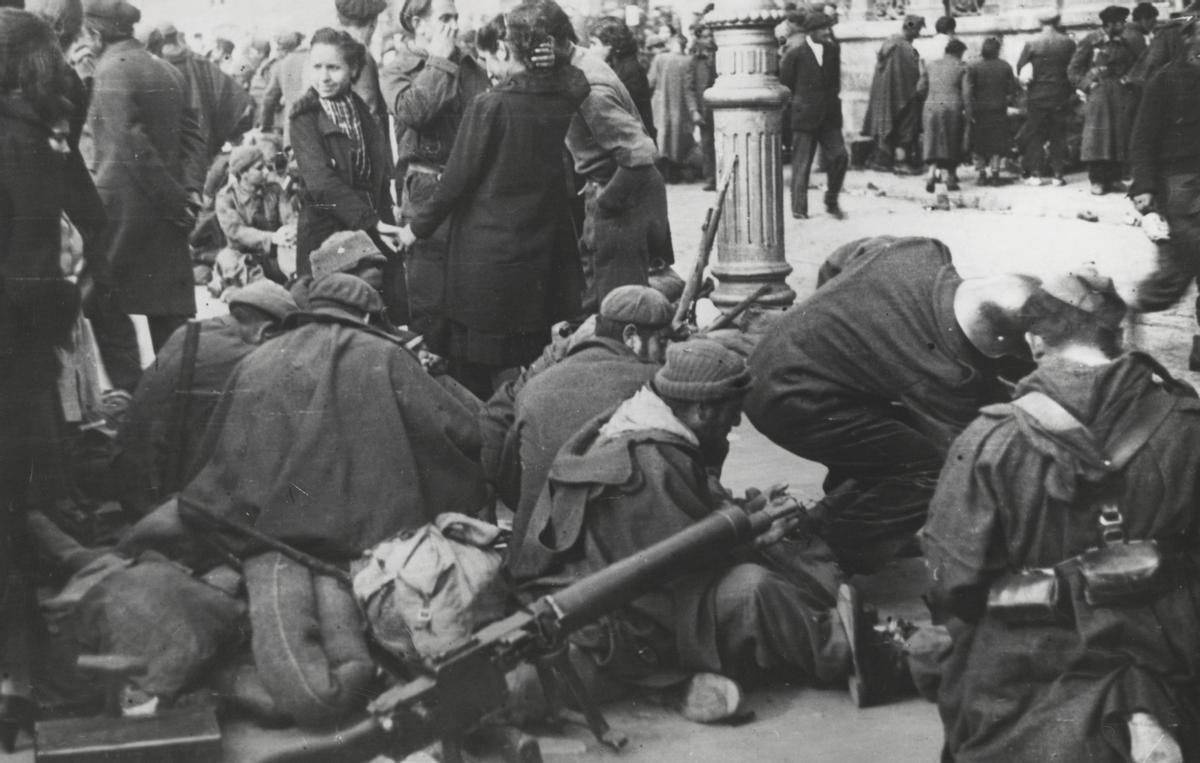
[{"x": 747, "y": 101}]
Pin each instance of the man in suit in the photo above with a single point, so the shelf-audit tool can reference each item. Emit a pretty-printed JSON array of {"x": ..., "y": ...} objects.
[
  {"x": 812, "y": 70},
  {"x": 1049, "y": 99}
]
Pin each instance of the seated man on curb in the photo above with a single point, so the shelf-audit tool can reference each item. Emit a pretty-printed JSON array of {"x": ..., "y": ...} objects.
[
  {"x": 875, "y": 373},
  {"x": 596, "y": 374},
  {"x": 1073, "y": 638},
  {"x": 634, "y": 476},
  {"x": 154, "y": 447}
]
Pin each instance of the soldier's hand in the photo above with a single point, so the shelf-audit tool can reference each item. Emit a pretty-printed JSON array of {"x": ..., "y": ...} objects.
[
  {"x": 445, "y": 41},
  {"x": 1143, "y": 203},
  {"x": 782, "y": 526},
  {"x": 543, "y": 56}
]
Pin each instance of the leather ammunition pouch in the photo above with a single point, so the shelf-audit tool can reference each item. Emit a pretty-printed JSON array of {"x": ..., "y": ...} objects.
[
  {"x": 1030, "y": 597},
  {"x": 1120, "y": 573},
  {"x": 1117, "y": 571}
]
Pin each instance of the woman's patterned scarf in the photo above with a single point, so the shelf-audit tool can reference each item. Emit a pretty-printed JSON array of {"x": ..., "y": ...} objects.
[{"x": 341, "y": 110}]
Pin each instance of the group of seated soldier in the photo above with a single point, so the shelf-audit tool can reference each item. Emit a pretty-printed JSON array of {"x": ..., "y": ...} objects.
[{"x": 310, "y": 420}]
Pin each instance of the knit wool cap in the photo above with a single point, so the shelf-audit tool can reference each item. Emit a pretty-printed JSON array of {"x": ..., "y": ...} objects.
[
  {"x": 913, "y": 21},
  {"x": 243, "y": 158},
  {"x": 268, "y": 296},
  {"x": 361, "y": 10},
  {"x": 639, "y": 305},
  {"x": 1085, "y": 289},
  {"x": 117, "y": 12},
  {"x": 342, "y": 292},
  {"x": 818, "y": 20},
  {"x": 1113, "y": 13},
  {"x": 342, "y": 252},
  {"x": 700, "y": 370}
]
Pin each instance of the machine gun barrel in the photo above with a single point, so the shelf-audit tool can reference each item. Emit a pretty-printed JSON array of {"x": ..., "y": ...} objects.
[{"x": 711, "y": 538}]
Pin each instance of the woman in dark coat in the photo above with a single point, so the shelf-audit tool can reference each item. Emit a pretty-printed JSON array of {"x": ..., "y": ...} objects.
[
  {"x": 943, "y": 85},
  {"x": 991, "y": 84},
  {"x": 513, "y": 266},
  {"x": 38, "y": 307},
  {"x": 612, "y": 40},
  {"x": 341, "y": 152}
]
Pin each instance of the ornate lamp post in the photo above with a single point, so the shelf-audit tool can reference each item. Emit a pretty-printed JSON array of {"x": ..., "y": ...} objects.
[{"x": 747, "y": 101}]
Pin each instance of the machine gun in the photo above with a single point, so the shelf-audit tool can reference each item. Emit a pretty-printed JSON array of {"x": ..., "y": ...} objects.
[{"x": 466, "y": 685}]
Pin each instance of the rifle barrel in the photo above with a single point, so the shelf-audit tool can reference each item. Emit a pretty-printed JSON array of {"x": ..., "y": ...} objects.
[{"x": 604, "y": 591}]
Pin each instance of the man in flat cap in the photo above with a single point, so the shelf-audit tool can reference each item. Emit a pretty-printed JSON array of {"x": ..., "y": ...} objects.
[
  {"x": 626, "y": 349},
  {"x": 877, "y": 395},
  {"x": 1099, "y": 70},
  {"x": 149, "y": 162},
  {"x": 161, "y": 432},
  {"x": 1048, "y": 100},
  {"x": 894, "y": 111},
  {"x": 635, "y": 475},
  {"x": 812, "y": 70},
  {"x": 1093, "y": 457}
]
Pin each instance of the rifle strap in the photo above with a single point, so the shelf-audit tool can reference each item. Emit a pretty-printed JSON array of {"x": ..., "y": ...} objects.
[{"x": 183, "y": 395}]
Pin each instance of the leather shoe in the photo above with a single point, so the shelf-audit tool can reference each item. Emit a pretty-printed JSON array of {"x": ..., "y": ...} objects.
[{"x": 835, "y": 211}]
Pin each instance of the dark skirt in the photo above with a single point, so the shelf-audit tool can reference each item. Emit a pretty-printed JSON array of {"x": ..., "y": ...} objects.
[
  {"x": 990, "y": 135},
  {"x": 942, "y": 139}
]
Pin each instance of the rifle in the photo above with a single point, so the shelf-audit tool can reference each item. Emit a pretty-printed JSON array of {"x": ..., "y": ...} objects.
[
  {"x": 466, "y": 685},
  {"x": 712, "y": 220},
  {"x": 727, "y": 318}
]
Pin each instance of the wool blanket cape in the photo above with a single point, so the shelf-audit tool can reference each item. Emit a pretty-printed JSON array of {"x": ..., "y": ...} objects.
[
  {"x": 333, "y": 438},
  {"x": 894, "y": 108}
]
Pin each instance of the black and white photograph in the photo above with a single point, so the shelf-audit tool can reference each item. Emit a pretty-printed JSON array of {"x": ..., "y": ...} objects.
[{"x": 611, "y": 381}]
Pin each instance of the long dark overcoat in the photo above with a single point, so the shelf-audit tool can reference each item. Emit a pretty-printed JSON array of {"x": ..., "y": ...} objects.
[
  {"x": 145, "y": 138},
  {"x": 673, "y": 101},
  {"x": 1099, "y": 68},
  {"x": 513, "y": 264},
  {"x": 331, "y": 201}
]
